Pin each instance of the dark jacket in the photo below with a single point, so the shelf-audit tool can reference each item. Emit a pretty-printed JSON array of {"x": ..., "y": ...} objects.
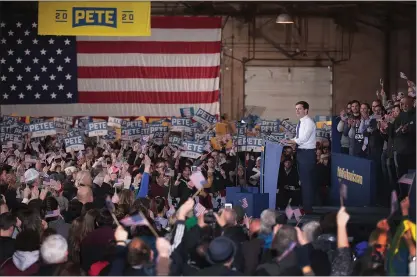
[
  {"x": 287, "y": 266},
  {"x": 405, "y": 143},
  {"x": 95, "y": 246},
  {"x": 7, "y": 248},
  {"x": 252, "y": 253},
  {"x": 48, "y": 269},
  {"x": 375, "y": 139},
  {"x": 119, "y": 266},
  {"x": 218, "y": 270}
]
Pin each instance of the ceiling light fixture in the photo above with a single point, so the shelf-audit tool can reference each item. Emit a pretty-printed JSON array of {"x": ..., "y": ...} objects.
[{"x": 284, "y": 19}]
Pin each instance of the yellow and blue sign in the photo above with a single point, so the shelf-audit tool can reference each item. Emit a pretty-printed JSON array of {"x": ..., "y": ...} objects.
[{"x": 94, "y": 18}]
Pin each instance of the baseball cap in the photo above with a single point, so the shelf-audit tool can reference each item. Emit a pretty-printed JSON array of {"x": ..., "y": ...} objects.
[{"x": 31, "y": 175}]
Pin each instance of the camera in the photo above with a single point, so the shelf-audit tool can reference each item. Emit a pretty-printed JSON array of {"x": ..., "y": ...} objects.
[{"x": 209, "y": 218}]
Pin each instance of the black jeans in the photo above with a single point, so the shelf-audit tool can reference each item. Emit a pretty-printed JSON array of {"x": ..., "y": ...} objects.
[{"x": 306, "y": 162}]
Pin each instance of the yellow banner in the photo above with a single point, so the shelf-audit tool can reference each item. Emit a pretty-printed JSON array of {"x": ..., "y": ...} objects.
[{"x": 94, "y": 18}]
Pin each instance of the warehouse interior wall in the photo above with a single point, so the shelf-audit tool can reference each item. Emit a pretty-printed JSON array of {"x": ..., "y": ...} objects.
[{"x": 359, "y": 55}]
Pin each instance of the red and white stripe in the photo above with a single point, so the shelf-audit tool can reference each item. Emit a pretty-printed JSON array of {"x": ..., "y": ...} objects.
[
  {"x": 199, "y": 209},
  {"x": 177, "y": 66},
  {"x": 245, "y": 203}
]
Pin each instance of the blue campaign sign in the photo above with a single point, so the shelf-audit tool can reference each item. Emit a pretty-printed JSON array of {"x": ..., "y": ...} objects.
[
  {"x": 153, "y": 129},
  {"x": 181, "y": 124},
  {"x": 134, "y": 124},
  {"x": 75, "y": 143},
  {"x": 8, "y": 120},
  {"x": 359, "y": 177},
  {"x": 42, "y": 129},
  {"x": 61, "y": 127},
  {"x": 82, "y": 122},
  {"x": 74, "y": 132},
  {"x": 145, "y": 130},
  {"x": 204, "y": 117},
  {"x": 203, "y": 136},
  {"x": 115, "y": 122},
  {"x": 192, "y": 150},
  {"x": 98, "y": 128},
  {"x": 175, "y": 140},
  {"x": 249, "y": 144},
  {"x": 131, "y": 133},
  {"x": 187, "y": 112}
]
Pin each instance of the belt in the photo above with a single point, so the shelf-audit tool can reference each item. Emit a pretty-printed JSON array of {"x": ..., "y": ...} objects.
[{"x": 301, "y": 149}]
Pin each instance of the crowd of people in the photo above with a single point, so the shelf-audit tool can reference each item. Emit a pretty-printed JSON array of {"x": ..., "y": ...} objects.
[
  {"x": 385, "y": 133},
  {"x": 133, "y": 210}
]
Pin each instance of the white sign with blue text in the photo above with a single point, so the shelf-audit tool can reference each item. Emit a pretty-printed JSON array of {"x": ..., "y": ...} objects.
[
  {"x": 205, "y": 118},
  {"x": 97, "y": 129},
  {"x": 115, "y": 122},
  {"x": 75, "y": 143},
  {"x": 181, "y": 124},
  {"x": 42, "y": 129},
  {"x": 131, "y": 133},
  {"x": 192, "y": 150},
  {"x": 249, "y": 144}
]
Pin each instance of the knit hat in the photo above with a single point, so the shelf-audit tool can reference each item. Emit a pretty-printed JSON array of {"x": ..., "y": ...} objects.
[
  {"x": 31, "y": 175},
  {"x": 220, "y": 250}
]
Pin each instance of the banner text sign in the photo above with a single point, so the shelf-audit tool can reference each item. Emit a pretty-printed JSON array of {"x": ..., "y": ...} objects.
[{"x": 94, "y": 18}]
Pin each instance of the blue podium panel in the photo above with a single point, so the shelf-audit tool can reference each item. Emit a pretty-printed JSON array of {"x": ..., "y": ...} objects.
[
  {"x": 359, "y": 176},
  {"x": 250, "y": 189},
  {"x": 257, "y": 202},
  {"x": 231, "y": 194}
]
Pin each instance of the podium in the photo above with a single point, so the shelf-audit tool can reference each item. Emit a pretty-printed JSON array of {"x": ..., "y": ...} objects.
[
  {"x": 257, "y": 202},
  {"x": 358, "y": 175}
]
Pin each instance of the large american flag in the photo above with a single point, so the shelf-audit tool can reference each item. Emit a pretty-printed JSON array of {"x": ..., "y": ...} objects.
[{"x": 178, "y": 66}]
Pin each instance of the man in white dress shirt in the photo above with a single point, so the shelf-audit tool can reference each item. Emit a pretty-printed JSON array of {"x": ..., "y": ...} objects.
[{"x": 305, "y": 139}]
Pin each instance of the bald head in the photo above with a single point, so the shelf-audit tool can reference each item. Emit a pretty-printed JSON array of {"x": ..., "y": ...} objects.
[
  {"x": 407, "y": 103},
  {"x": 85, "y": 194}
]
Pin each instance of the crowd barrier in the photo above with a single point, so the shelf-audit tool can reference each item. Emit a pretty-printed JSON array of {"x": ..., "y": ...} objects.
[{"x": 359, "y": 177}]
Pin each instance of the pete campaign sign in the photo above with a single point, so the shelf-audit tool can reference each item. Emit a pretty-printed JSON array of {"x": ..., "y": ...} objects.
[
  {"x": 42, "y": 129},
  {"x": 114, "y": 122},
  {"x": 61, "y": 127},
  {"x": 175, "y": 139},
  {"x": 181, "y": 124},
  {"x": 134, "y": 124},
  {"x": 96, "y": 129},
  {"x": 75, "y": 143},
  {"x": 269, "y": 126},
  {"x": 94, "y": 18},
  {"x": 192, "y": 150},
  {"x": 249, "y": 144},
  {"x": 155, "y": 128},
  {"x": 204, "y": 117},
  {"x": 131, "y": 133}
]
